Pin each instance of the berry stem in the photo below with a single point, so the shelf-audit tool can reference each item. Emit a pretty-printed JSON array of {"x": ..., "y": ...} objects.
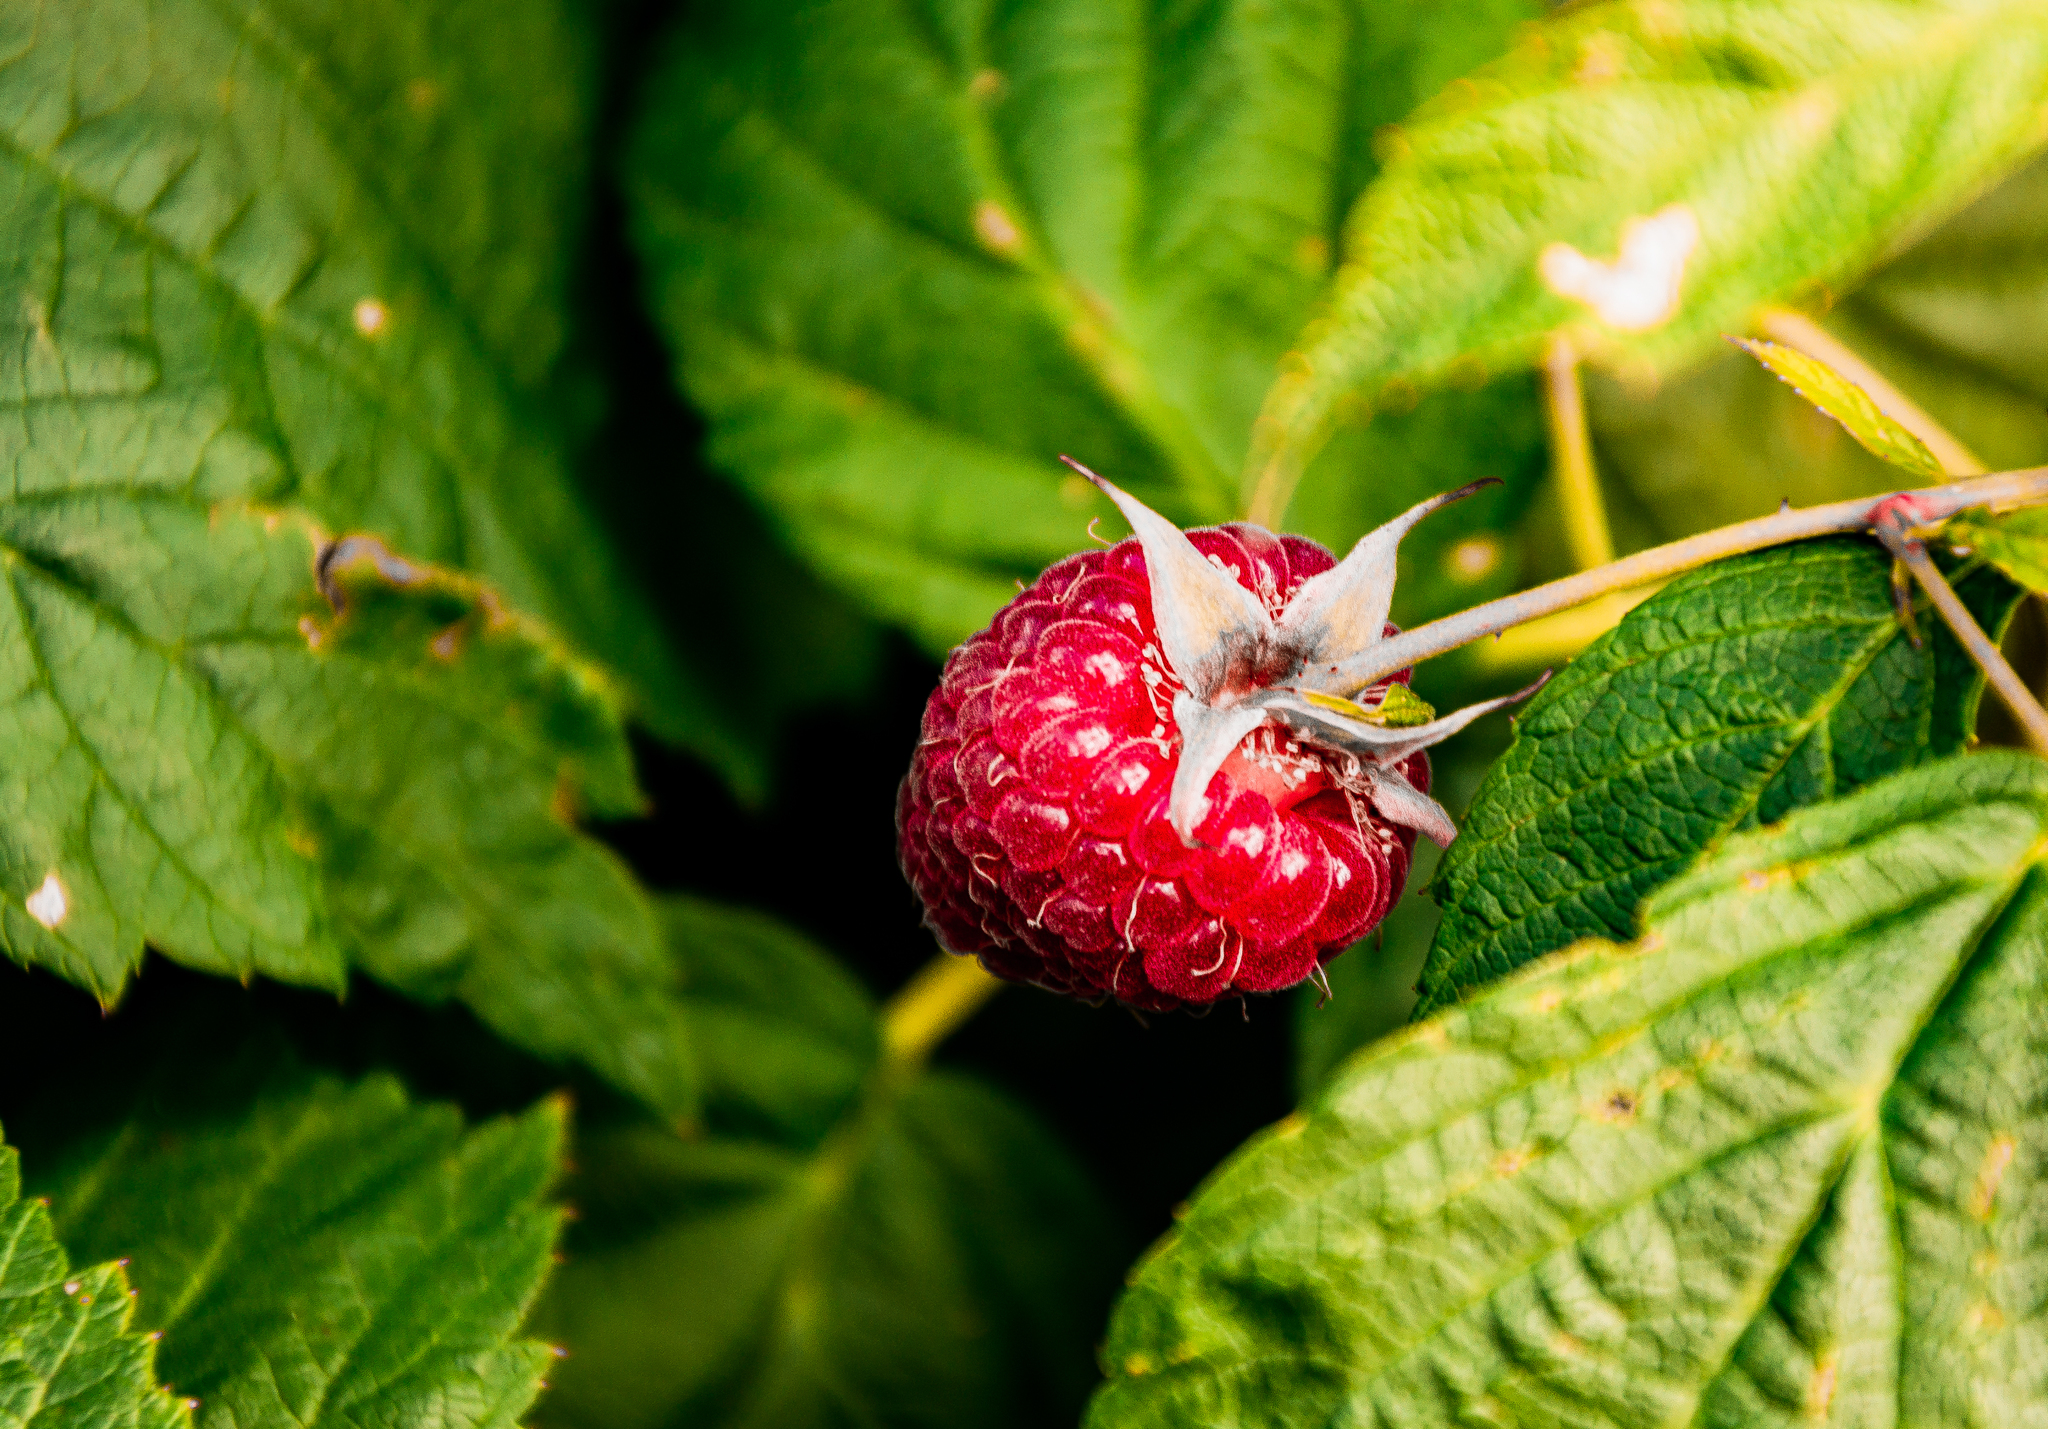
[
  {"x": 939, "y": 997},
  {"x": 1933, "y": 504},
  {"x": 1899, "y": 537},
  {"x": 1571, "y": 455},
  {"x": 1801, "y": 333}
]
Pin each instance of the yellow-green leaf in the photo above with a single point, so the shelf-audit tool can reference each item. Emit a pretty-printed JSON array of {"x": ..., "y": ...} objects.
[
  {"x": 1879, "y": 432},
  {"x": 1640, "y": 174},
  {"x": 67, "y": 1355},
  {"x": 2016, "y": 544}
]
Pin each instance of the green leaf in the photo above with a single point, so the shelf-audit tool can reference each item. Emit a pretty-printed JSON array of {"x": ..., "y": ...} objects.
[
  {"x": 254, "y": 292},
  {"x": 784, "y": 1036},
  {"x": 313, "y": 252},
  {"x": 907, "y": 256},
  {"x": 67, "y": 1356},
  {"x": 856, "y": 1243},
  {"x": 1642, "y": 175},
  {"x": 1735, "y": 695},
  {"x": 939, "y": 1261},
  {"x": 326, "y": 1255},
  {"x": 2017, "y": 543},
  {"x": 209, "y": 757},
  {"x": 1953, "y": 321},
  {"x": 1772, "y": 1163},
  {"x": 1873, "y": 428}
]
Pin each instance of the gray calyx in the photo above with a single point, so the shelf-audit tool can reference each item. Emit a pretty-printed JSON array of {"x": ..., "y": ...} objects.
[{"x": 1241, "y": 668}]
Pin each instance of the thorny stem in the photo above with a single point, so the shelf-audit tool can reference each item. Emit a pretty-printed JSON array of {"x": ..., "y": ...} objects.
[
  {"x": 1571, "y": 449},
  {"x": 1796, "y": 330},
  {"x": 1933, "y": 504},
  {"x": 949, "y": 989},
  {"x": 941, "y": 995},
  {"x": 1898, "y": 536}
]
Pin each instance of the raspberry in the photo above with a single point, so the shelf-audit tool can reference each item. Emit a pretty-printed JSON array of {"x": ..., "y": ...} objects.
[{"x": 1128, "y": 787}]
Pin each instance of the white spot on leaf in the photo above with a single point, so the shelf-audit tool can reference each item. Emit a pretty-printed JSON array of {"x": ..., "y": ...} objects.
[
  {"x": 1474, "y": 557},
  {"x": 371, "y": 316},
  {"x": 1638, "y": 290},
  {"x": 995, "y": 228},
  {"x": 49, "y": 904}
]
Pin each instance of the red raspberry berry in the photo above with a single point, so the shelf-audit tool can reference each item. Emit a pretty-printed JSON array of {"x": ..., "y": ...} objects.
[{"x": 1042, "y": 825}]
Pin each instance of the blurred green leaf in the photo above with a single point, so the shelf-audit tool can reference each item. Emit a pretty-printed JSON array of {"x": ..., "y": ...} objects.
[
  {"x": 211, "y": 756},
  {"x": 1738, "y": 693},
  {"x": 317, "y": 253},
  {"x": 1832, "y": 393},
  {"x": 783, "y": 1034},
  {"x": 324, "y": 1255},
  {"x": 855, "y": 1243},
  {"x": 1954, "y": 320},
  {"x": 938, "y": 1261},
  {"x": 1466, "y": 553},
  {"x": 67, "y": 1356},
  {"x": 2017, "y": 544},
  {"x": 1772, "y": 1163},
  {"x": 906, "y": 257},
  {"x": 1641, "y": 175}
]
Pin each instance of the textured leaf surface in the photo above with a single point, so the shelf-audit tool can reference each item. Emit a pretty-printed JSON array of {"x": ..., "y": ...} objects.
[
  {"x": 1828, "y": 390},
  {"x": 1732, "y": 128},
  {"x": 252, "y": 291},
  {"x": 310, "y": 251},
  {"x": 1737, "y": 694},
  {"x": 262, "y": 776},
  {"x": 907, "y": 255},
  {"x": 67, "y": 1356},
  {"x": 1773, "y": 1163},
  {"x": 853, "y": 1244},
  {"x": 326, "y": 1255}
]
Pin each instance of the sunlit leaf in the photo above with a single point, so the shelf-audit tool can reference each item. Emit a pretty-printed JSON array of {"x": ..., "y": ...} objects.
[
  {"x": 67, "y": 1355},
  {"x": 1774, "y": 1162},
  {"x": 260, "y": 299},
  {"x": 1873, "y": 428},
  {"x": 1954, "y": 321},
  {"x": 312, "y": 252},
  {"x": 1735, "y": 695},
  {"x": 1641, "y": 174},
  {"x": 269, "y": 755},
  {"x": 2017, "y": 544}
]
